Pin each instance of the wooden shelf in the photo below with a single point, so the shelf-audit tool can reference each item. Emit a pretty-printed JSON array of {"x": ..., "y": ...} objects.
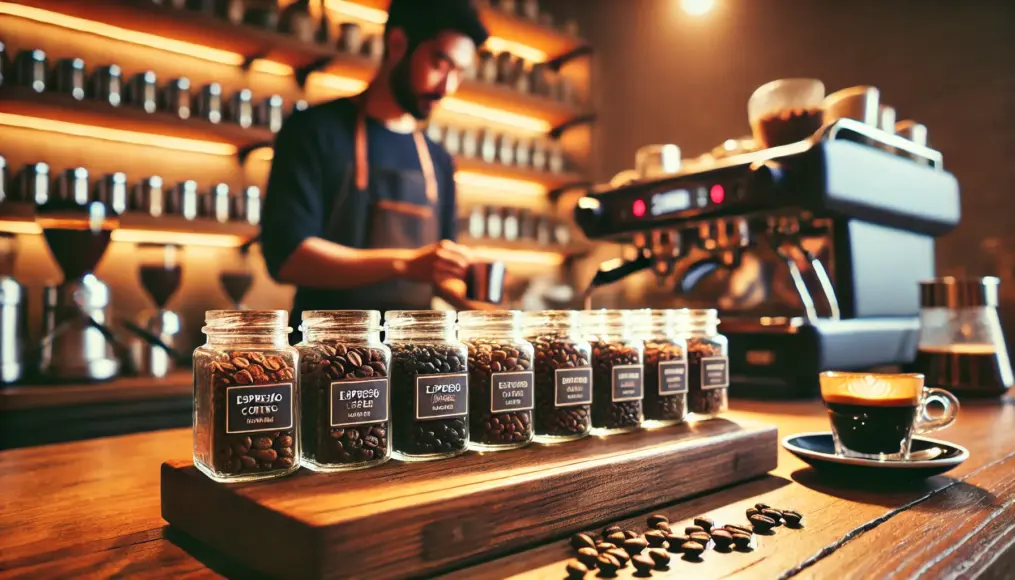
[
  {"x": 551, "y": 181},
  {"x": 178, "y": 384},
  {"x": 101, "y": 115}
]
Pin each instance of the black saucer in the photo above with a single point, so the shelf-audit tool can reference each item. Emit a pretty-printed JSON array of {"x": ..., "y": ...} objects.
[{"x": 818, "y": 450}]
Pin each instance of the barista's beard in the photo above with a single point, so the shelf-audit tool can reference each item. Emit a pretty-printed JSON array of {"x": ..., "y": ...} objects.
[{"x": 419, "y": 106}]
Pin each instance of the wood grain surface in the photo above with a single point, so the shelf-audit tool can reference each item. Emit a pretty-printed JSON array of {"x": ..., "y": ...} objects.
[
  {"x": 402, "y": 519},
  {"x": 92, "y": 509}
]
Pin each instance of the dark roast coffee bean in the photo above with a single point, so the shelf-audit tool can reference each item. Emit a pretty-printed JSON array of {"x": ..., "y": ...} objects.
[
  {"x": 631, "y": 534},
  {"x": 655, "y": 538},
  {"x": 703, "y": 401},
  {"x": 700, "y": 537},
  {"x": 424, "y": 437},
  {"x": 579, "y": 541},
  {"x": 622, "y": 556},
  {"x": 606, "y": 413},
  {"x": 676, "y": 541},
  {"x": 793, "y": 519},
  {"x": 322, "y": 363},
  {"x": 486, "y": 358},
  {"x": 617, "y": 538},
  {"x": 693, "y": 549},
  {"x": 635, "y": 545},
  {"x": 762, "y": 523},
  {"x": 553, "y": 353},
  {"x": 588, "y": 556},
  {"x": 752, "y": 511},
  {"x": 741, "y": 540},
  {"x": 722, "y": 538},
  {"x": 692, "y": 529},
  {"x": 576, "y": 569},
  {"x": 775, "y": 515},
  {"x": 704, "y": 523},
  {"x": 659, "y": 557},
  {"x": 608, "y": 565},
  {"x": 612, "y": 530},
  {"x": 733, "y": 529},
  {"x": 662, "y": 526},
  {"x": 643, "y": 563},
  {"x": 655, "y": 519},
  {"x": 258, "y": 452},
  {"x": 662, "y": 407},
  {"x": 605, "y": 547},
  {"x": 762, "y": 506}
]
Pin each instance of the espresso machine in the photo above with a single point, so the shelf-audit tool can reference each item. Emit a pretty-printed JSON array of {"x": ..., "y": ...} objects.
[{"x": 812, "y": 251}]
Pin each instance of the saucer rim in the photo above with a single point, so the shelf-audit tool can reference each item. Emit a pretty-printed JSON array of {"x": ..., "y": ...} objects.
[{"x": 962, "y": 456}]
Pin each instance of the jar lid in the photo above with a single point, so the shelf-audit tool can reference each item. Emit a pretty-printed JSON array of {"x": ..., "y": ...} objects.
[{"x": 950, "y": 292}]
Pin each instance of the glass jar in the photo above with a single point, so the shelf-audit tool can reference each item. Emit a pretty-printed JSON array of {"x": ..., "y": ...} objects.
[
  {"x": 246, "y": 402},
  {"x": 665, "y": 367},
  {"x": 429, "y": 385},
  {"x": 617, "y": 371},
  {"x": 563, "y": 376},
  {"x": 708, "y": 369},
  {"x": 344, "y": 390},
  {"x": 500, "y": 379},
  {"x": 962, "y": 347}
]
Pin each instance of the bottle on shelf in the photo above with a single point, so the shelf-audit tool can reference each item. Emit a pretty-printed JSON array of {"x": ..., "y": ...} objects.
[
  {"x": 230, "y": 10},
  {"x": 33, "y": 183},
  {"x": 175, "y": 97},
  {"x": 296, "y": 20},
  {"x": 262, "y": 14},
  {"x": 111, "y": 191},
  {"x": 72, "y": 186},
  {"x": 350, "y": 39},
  {"x": 141, "y": 91},
  {"x": 106, "y": 84},
  {"x": 30, "y": 68},
  {"x": 69, "y": 77},
  {"x": 209, "y": 103},
  {"x": 241, "y": 108},
  {"x": 269, "y": 113},
  {"x": 530, "y": 9},
  {"x": 149, "y": 197},
  {"x": 323, "y": 34}
]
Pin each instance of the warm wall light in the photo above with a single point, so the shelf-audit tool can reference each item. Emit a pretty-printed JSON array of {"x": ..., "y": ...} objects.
[
  {"x": 122, "y": 34},
  {"x": 514, "y": 120},
  {"x": 518, "y": 256},
  {"x": 697, "y": 7},
  {"x": 375, "y": 15},
  {"x": 183, "y": 238},
  {"x": 514, "y": 186},
  {"x": 533, "y": 55},
  {"x": 271, "y": 67},
  {"x": 344, "y": 85},
  {"x": 20, "y": 227},
  {"x": 118, "y": 135}
]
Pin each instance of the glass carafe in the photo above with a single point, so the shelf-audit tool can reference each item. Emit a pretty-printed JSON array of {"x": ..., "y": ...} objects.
[{"x": 962, "y": 347}]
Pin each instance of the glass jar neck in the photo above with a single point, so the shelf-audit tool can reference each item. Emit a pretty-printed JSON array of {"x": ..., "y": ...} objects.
[
  {"x": 353, "y": 326},
  {"x": 404, "y": 325},
  {"x": 551, "y": 323},
  {"x": 505, "y": 324},
  {"x": 702, "y": 322},
  {"x": 259, "y": 328}
]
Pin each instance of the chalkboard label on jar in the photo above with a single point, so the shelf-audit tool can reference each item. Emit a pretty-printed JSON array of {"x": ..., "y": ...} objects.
[
  {"x": 573, "y": 386},
  {"x": 673, "y": 377},
  {"x": 511, "y": 392},
  {"x": 628, "y": 383},
  {"x": 440, "y": 396},
  {"x": 259, "y": 408},
  {"x": 715, "y": 372},
  {"x": 359, "y": 402}
]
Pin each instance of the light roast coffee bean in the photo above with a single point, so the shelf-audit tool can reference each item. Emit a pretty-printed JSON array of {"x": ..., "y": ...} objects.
[
  {"x": 693, "y": 549},
  {"x": 635, "y": 545},
  {"x": 579, "y": 541},
  {"x": 704, "y": 523},
  {"x": 655, "y": 538},
  {"x": 588, "y": 556},
  {"x": 612, "y": 530},
  {"x": 576, "y": 569},
  {"x": 657, "y": 518},
  {"x": 659, "y": 557},
  {"x": 643, "y": 563}
]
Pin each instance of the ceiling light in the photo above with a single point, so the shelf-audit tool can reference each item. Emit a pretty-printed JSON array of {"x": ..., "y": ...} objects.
[{"x": 697, "y": 7}]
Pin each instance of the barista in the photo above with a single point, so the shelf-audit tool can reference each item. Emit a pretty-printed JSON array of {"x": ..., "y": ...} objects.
[{"x": 359, "y": 212}]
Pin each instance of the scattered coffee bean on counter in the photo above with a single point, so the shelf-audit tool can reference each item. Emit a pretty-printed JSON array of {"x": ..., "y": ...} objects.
[
  {"x": 492, "y": 391},
  {"x": 675, "y": 542},
  {"x": 662, "y": 527},
  {"x": 576, "y": 569},
  {"x": 608, "y": 564},
  {"x": 579, "y": 541},
  {"x": 667, "y": 400},
  {"x": 738, "y": 529},
  {"x": 635, "y": 545},
  {"x": 702, "y": 538},
  {"x": 692, "y": 529},
  {"x": 617, "y": 538},
  {"x": 707, "y": 388},
  {"x": 643, "y": 563},
  {"x": 622, "y": 556},
  {"x": 722, "y": 538},
  {"x": 659, "y": 557},
  {"x": 415, "y": 433},
  {"x": 612, "y": 530},
  {"x": 793, "y": 519},
  {"x": 588, "y": 556},
  {"x": 657, "y": 518},
  {"x": 605, "y": 547},
  {"x": 742, "y": 540},
  {"x": 343, "y": 438},
  {"x": 631, "y": 534},
  {"x": 239, "y": 380},
  {"x": 762, "y": 523},
  {"x": 655, "y": 538},
  {"x": 608, "y": 412},
  {"x": 693, "y": 549},
  {"x": 563, "y": 386},
  {"x": 774, "y": 515},
  {"x": 704, "y": 523}
]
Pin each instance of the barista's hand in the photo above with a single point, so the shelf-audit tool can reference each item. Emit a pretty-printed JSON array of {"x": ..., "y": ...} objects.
[{"x": 436, "y": 262}]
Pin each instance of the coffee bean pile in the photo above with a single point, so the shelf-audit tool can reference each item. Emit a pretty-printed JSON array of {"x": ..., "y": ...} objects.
[
  {"x": 485, "y": 359},
  {"x": 322, "y": 363},
  {"x": 552, "y": 353},
  {"x": 651, "y": 550},
  {"x": 662, "y": 407},
  {"x": 705, "y": 402},
  {"x": 414, "y": 437},
  {"x": 607, "y": 414},
  {"x": 260, "y": 452}
]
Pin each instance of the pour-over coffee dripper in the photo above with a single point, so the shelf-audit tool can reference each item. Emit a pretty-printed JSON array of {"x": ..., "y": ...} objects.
[
  {"x": 237, "y": 276},
  {"x": 77, "y": 343},
  {"x": 160, "y": 273}
]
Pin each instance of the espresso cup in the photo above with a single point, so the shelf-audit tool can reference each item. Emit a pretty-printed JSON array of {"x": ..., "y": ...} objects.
[{"x": 874, "y": 416}]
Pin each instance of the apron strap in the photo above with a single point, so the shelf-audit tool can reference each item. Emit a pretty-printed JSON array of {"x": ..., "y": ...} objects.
[{"x": 363, "y": 166}]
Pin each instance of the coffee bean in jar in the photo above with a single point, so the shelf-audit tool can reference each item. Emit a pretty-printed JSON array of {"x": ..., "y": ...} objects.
[
  {"x": 708, "y": 376},
  {"x": 617, "y": 371},
  {"x": 500, "y": 379},
  {"x": 429, "y": 385},
  {"x": 246, "y": 400},
  {"x": 665, "y": 367},
  {"x": 563, "y": 376},
  {"x": 344, "y": 390}
]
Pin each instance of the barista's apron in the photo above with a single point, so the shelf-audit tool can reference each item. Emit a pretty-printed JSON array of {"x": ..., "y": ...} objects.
[{"x": 402, "y": 213}]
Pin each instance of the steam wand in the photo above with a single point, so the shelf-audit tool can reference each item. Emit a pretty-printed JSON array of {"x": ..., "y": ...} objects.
[{"x": 615, "y": 270}]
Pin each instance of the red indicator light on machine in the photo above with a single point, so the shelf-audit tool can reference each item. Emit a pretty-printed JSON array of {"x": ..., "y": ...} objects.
[
  {"x": 639, "y": 208},
  {"x": 717, "y": 193}
]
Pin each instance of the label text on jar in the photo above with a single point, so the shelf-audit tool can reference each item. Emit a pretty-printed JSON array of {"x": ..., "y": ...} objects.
[
  {"x": 573, "y": 387},
  {"x": 254, "y": 408},
  {"x": 715, "y": 372},
  {"x": 511, "y": 392},
  {"x": 628, "y": 383},
  {"x": 440, "y": 396},
  {"x": 359, "y": 401},
  {"x": 673, "y": 377}
]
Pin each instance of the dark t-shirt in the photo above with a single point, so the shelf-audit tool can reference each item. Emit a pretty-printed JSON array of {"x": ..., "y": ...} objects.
[{"x": 313, "y": 161}]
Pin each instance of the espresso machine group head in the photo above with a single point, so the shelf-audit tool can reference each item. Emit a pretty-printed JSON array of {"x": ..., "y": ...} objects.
[{"x": 812, "y": 251}]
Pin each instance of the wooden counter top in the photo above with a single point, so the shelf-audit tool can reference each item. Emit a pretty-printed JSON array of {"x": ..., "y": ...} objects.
[{"x": 92, "y": 508}]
